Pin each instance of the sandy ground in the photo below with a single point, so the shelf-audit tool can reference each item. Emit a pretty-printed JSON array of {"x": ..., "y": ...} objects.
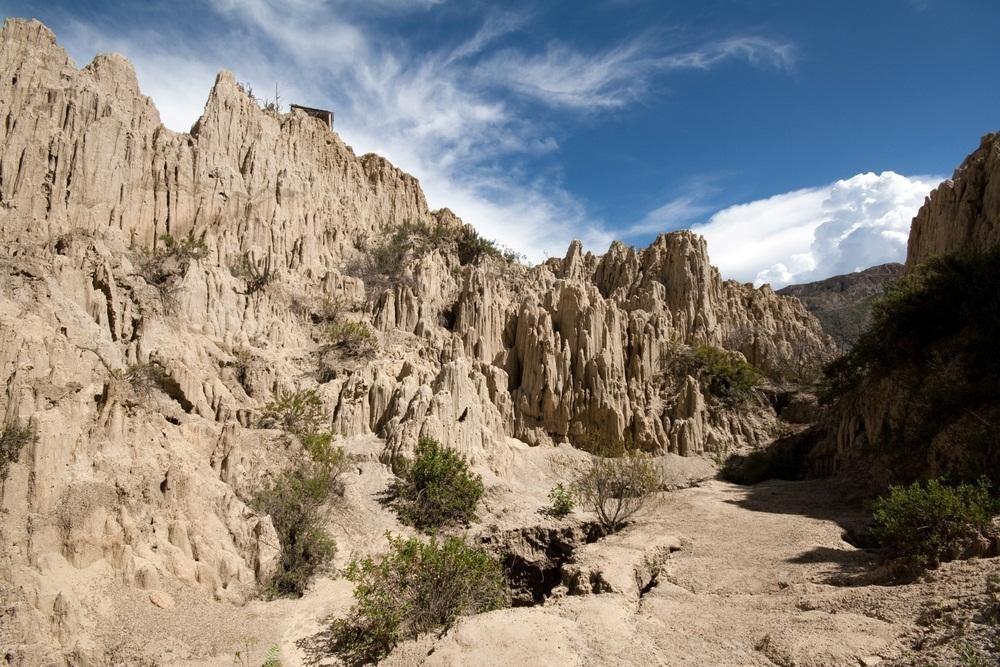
[{"x": 758, "y": 576}]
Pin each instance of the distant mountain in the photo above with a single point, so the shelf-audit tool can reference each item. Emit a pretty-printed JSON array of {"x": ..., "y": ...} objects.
[{"x": 843, "y": 303}]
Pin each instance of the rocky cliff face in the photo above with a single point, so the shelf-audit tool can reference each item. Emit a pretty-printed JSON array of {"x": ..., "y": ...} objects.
[
  {"x": 933, "y": 413},
  {"x": 963, "y": 213},
  {"x": 842, "y": 304},
  {"x": 149, "y": 491}
]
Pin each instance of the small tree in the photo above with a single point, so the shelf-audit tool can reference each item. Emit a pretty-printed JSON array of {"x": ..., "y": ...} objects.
[
  {"x": 616, "y": 488},
  {"x": 415, "y": 588},
  {"x": 438, "y": 487}
]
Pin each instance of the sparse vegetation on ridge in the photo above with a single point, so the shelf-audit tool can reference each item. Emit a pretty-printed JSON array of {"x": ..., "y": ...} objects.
[
  {"x": 384, "y": 264},
  {"x": 418, "y": 586}
]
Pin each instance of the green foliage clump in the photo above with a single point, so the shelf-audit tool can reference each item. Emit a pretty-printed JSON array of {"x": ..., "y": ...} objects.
[
  {"x": 561, "y": 501},
  {"x": 616, "y": 488},
  {"x": 924, "y": 523},
  {"x": 933, "y": 339},
  {"x": 438, "y": 488},
  {"x": 471, "y": 246},
  {"x": 13, "y": 438},
  {"x": 300, "y": 413},
  {"x": 354, "y": 338},
  {"x": 726, "y": 375},
  {"x": 417, "y": 587},
  {"x": 298, "y": 499},
  {"x": 142, "y": 380},
  {"x": 296, "y": 502}
]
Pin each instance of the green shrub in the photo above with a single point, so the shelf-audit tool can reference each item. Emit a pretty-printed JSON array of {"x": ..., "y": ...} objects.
[
  {"x": 923, "y": 524},
  {"x": 438, "y": 488},
  {"x": 383, "y": 264},
  {"x": 300, "y": 413},
  {"x": 616, "y": 488},
  {"x": 12, "y": 440},
  {"x": 354, "y": 338},
  {"x": 470, "y": 246},
  {"x": 297, "y": 502},
  {"x": 726, "y": 375},
  {"x": 415, "y": 588},
  {"x": 561, "y": 501},
  {"x": 141, "y": 380}
]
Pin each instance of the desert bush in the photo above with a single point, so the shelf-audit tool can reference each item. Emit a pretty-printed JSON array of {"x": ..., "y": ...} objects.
[
  {"x": 297, "y": 502},
  {"x": 354, "y": 338},
  {"x": 470, "y": 246},
  {"x": 12, "y": 440},
  {"x": 416, "y": 587},
  {"x": 438, "y": 488},
  {"x": 924, "y": 523},
  {"x": 383, "y": 264},
  {"x": 256, "y": 275},
  {"x": 142, "y": 379},
  {"x": 300, "y": 413},
  {"x": 561, "y": 501},
  {"x": 161, "y": 266},
  {"x": 725, "y": 374},
  {"x": 596, "y": 442},
  {"x": 616, "y": 488}
]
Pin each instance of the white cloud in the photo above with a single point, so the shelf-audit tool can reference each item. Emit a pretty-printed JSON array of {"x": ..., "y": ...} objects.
[
  {"x": 564, "y": 77},
  {"x": 815, "y": 233}
]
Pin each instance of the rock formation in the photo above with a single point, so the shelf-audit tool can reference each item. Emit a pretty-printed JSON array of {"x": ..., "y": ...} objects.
[
  {"x": 963, "y": 213},
  {"x": 96, "y": 198},
  {"x": 842, "y": 304},
  {"x": 911, "y": 407}
]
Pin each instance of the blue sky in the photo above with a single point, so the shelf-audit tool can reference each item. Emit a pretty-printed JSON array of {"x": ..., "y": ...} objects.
[{"x": 799, "y": 136}]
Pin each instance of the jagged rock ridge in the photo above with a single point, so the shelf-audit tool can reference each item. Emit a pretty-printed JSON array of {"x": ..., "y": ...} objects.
[{"x": 154, "y": 494}]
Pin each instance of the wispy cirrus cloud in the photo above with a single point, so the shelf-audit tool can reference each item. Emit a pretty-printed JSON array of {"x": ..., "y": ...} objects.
[{"x": 563, "y": 76}]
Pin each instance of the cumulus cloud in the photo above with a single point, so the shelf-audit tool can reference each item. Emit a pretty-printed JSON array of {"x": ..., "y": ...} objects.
[
  {"x": 452, "y": 114},
  {"x": 815, "y": 233}
]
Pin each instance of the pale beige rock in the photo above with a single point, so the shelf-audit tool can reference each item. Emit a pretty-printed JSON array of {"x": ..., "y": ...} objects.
[
  {"x": 161, "y": 599},
  {"x": 130, "y": 494},
  {"x": 963, "y": 213}
]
